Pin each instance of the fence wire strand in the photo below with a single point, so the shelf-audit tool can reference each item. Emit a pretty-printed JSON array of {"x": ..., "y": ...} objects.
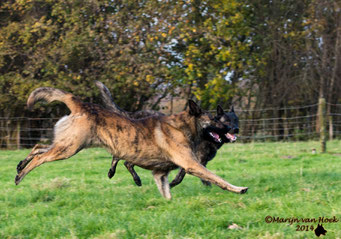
[{"x": 268, "y": 124}]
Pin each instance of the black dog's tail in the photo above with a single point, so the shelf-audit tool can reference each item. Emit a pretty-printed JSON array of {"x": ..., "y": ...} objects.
[
  {"x": 50, "y": 94},
  {"x": 108, "y": 101}
]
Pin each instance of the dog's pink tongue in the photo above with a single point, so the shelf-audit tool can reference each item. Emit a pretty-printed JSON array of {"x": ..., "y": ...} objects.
[
  {"x": 215, "y": 135},
  {"x": 231, "y": 137}
]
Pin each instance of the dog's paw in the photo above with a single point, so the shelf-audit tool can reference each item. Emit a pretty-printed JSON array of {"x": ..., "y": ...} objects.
[
  {"x": 138, "y": 182},
  {"x": 17, "y": 180},
  {"x": 111, "y": 174},
  {"x": 206, "y": 183},
  {"x": 243, "y": 190}
]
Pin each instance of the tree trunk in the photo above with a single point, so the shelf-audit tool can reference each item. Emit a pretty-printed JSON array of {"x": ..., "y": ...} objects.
[{"x": 332, "y": 80}]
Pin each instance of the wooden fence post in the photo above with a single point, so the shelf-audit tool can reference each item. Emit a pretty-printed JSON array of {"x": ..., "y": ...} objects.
[
  {"x": 322, "y": 123},
  {"x": 331, "y": 127}
]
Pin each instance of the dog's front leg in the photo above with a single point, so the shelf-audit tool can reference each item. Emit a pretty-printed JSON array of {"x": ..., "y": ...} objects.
[
  {"x": 161, "y": 180},
  {"x": 206, "y": 183},
  {"x": 186, "y": 159},
  {"x": 178, "y": 178}
]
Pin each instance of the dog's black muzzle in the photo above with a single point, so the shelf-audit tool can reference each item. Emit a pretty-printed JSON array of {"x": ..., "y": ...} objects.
[
  {"x": 234, "y": 130},
  {"x": 216, "y": 135}
]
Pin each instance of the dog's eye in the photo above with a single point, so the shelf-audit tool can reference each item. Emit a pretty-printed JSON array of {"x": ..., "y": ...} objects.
[{"x": 225, "y": 119}]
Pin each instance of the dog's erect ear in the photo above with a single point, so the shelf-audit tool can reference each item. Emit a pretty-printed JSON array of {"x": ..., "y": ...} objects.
[
  {"x": 194, "y": 109},
  {"x": 232, "y": 109},
  {"x": 220, "y": 110}
]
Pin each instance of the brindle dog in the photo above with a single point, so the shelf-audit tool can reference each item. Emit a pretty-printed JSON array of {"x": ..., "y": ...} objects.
[
  {"x": 156, "y": 143},
  {"x": 205, "y": 151}
]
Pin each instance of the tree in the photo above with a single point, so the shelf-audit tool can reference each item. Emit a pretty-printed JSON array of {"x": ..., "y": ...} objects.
[
  {"x": 213, "y": 45},
  {"x": 69, "y": 44}
]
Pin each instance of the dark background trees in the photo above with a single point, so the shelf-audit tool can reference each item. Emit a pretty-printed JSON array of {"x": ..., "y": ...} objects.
[{"x": 255, "y": 54}]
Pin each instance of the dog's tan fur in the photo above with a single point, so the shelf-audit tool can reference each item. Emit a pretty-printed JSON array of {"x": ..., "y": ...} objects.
[{"x": 156, "y": 143}]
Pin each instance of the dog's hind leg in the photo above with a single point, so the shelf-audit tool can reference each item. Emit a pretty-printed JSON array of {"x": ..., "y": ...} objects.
[
  {"x": 178, "y": 178},
  {"x": 37, "y": 149},
  {"x": 161, "y": 180},
  {"x": 133, "y": 173},
  {"x": 112, "y": 169},
  {"x": 55, "y": 152}
]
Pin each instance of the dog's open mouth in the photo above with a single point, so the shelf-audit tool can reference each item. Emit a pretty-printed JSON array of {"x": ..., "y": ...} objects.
[
  {"x": 215, "y": 137},
  {"x": 231, "y": 137}
]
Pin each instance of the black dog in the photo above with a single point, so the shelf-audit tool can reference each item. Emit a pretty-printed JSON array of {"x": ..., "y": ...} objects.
[{"x": 205, "y": 151}]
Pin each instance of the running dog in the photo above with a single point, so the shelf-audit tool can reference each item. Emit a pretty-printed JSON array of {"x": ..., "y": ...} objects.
[
  {"x": 205, "y": 151},
  {"x": 156, "y": 143}
]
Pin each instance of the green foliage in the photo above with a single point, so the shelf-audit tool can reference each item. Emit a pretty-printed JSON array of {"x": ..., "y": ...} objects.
[
  {"x": 139, "y": 50},
  {"x": 213, "y": 41},
  {"x": 74, "y": 198},
  {"x": 264, "y": 53},
  {"x": 69, "y": 44}
]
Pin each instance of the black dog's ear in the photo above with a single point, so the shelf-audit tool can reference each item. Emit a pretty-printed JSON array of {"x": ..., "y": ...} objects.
[
  {"x": 232, "y": 109},
  {"x": 194, "y": 109},
  {"x": 220, "y": 110}
]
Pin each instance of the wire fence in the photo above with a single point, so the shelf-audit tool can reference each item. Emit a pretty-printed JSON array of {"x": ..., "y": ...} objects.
[{"x": 270, "y": 124}]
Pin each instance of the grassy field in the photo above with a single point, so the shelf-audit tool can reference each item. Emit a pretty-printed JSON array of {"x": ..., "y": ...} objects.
[{"x": 75, "y": 199}]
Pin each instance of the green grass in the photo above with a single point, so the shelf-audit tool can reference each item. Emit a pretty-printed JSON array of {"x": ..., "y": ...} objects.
[{"x": 75, "y": 199}]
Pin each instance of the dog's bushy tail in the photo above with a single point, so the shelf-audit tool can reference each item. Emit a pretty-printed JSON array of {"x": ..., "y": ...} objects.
[
  {"x": 50, "y": 94},
  {"x": 108, "y": 101}
]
